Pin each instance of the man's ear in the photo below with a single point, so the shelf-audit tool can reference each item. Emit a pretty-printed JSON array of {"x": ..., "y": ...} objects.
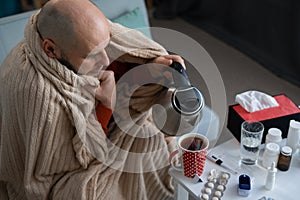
[{"x": 50, "y": 48}]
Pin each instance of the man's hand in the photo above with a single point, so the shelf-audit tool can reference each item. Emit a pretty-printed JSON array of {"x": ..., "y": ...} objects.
[
  {"x": 165, "y": 60},
  {"x": 168, "y": 60},
  {"x": 106, "y": 92}
]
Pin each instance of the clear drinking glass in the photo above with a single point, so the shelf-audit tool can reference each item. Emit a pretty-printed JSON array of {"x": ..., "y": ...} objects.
[{"x": 251, "y": 136}]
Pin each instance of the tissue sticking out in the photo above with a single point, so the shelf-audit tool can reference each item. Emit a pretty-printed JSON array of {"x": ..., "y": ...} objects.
[{"x": 253, "y": 101}]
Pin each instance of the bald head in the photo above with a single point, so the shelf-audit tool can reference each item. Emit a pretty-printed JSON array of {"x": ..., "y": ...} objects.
[
  {"x": 60, "y": 20},
  {"x": 72, "y": 24}
]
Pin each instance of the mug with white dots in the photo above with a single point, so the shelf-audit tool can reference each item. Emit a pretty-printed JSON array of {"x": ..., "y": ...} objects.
[{"x": 192, "y": 150}]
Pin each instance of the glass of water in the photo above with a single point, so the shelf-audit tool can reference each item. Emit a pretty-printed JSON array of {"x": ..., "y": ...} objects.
[{"x": 251, "y": 136}]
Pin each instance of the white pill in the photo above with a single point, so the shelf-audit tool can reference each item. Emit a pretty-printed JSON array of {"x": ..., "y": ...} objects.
[
  {"x": 225, "y": 176},
  {"x": 215, "y": 198},
  {"x": 204, "y": 197},
  {"x": 210, "y": 185},
  {"x": 207, "y": 191},
  {"x": 221, "y": 188},
  {"x": 212, "y": 179},
  {"x": 213, "y": 172},
  {"x": 218, "y": 194},
  {"x": 222, "y": 181}
]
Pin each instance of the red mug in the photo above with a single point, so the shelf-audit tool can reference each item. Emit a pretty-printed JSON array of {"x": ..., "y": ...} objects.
[{"x": 193, "y": 149}]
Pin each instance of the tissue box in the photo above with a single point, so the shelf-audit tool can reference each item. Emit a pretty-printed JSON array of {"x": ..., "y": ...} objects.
[{"x": 276, "y": 117}]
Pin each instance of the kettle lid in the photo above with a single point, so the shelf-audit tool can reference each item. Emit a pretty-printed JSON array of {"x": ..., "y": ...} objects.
[{"x": 187, "y": 101}]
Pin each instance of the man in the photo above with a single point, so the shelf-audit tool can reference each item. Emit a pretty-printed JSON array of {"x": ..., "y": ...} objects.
[{"x": 51, "y": 144}]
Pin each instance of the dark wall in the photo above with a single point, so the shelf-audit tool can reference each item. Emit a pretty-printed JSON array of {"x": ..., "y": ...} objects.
[
  {"x": 10, "y": 7},
  {"x": 266, "y": 30}
]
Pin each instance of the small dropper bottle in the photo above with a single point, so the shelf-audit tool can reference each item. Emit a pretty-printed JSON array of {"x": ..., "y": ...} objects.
[{"x": 270, "y": 180}]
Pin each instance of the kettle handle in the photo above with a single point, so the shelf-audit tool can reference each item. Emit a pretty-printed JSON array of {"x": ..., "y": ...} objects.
[{"x": 181, "y": 79}]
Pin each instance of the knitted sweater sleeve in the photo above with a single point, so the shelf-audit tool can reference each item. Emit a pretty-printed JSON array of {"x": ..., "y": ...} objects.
[
  {"x": 50, "y": 156},
  {"x": 38, "y": 156}
]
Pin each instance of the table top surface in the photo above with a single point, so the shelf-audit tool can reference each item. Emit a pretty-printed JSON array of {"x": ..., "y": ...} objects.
[{"x": 286, "y": 186}]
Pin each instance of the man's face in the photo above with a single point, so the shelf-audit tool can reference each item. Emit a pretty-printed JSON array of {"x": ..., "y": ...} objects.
[
  {"x": 76, "y": 35},
  {"x": 86, "y": 53},
  {"x": 86, "y": 61}
]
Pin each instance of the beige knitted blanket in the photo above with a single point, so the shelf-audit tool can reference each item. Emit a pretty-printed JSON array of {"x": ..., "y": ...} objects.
[{"x": 52, "y": 146}]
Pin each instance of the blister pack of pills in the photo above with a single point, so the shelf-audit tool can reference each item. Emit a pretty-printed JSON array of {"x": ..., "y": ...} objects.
[{"x": 215, "y": 186}]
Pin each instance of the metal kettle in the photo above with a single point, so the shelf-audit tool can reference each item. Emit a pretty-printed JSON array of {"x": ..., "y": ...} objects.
[{"x": 178, "y": 110}]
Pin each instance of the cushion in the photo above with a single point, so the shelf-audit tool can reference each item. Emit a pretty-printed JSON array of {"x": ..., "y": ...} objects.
[
  {"x": 12, "y": 32},
  {"x": 114, "y": 8},
  {"x": 134, "y": 19}
]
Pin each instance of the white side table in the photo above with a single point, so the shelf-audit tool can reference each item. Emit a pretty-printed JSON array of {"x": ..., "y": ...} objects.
[{"x": 286, "y": 186}]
